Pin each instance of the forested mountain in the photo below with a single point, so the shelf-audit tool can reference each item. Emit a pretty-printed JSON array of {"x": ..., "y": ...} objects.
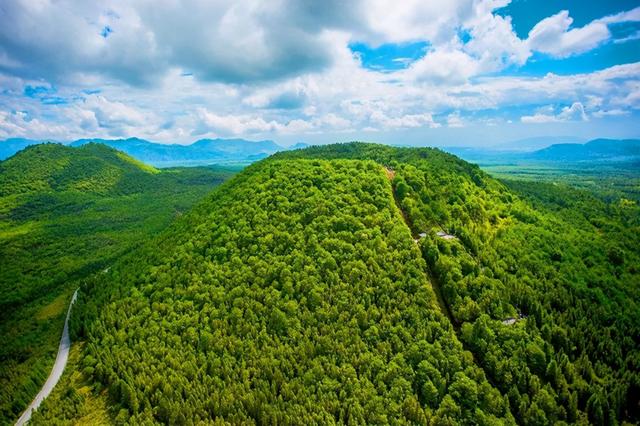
[
  {"x": 65, "y": 213},
  {"x": 364, "y": 284}
]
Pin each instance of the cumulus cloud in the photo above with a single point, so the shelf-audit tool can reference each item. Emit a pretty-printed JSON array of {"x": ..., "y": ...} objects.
[
  {"x": 632, "y": 15},
  {"x": 404, "y": 121},
  {"x": 553, "y": 36},
  {"x": 228, "y": 125},
  {"x": 113, "y": 114},
  {"x": 22, "y": 124},
  {"x": 285, "y": 68},
  {"x": 575, "y": 112},
  {"x": 494, "y": 42},
  {"x": 454, "y": 120},
  {"x": 221, "y": 40},
  {"x": 226, "y": 41},
  {"x": 291, "y": 96},
  {"x": 444, "y": 67}
]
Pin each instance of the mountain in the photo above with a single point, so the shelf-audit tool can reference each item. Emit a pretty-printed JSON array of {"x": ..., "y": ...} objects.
[
  {"x": 139, "y": 148},
  {"x": 595, "y": 150},
  {"x": 592, "y": 152},
  {"x": 201, "y": 152},
  {"x": 66, "y": 213},
  {"x": 366, "y": 284},
  {"x": 93, "y": 168},
  {"x": 299, "y": 145},
  {"x": 236, "y": 146},
  {"x": 535, "y": 143}
]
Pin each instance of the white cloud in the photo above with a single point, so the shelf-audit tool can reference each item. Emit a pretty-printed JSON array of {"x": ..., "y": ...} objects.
[
  {"x": 231, "y": 125},
  {"x": 21, "y": 124},
  {"x": 291, "y": 95},
  {"x": 113, "y": 114},
  {"x": 454, "y": 120},
  {"x": 632, "y": 37},
  {"x": 444, "y": 67},
  {"x": 405, "y": 121},
  {"x": 610, "y": 113},
  {"x": 575, "y": 112},
  {"x": 553, "y": 36},
  {"x": 293, "y": 73},
  {"x": 220, "y": 40},
  {"x": 495, "y": 44},
  {"x": 632, "y": 15}
]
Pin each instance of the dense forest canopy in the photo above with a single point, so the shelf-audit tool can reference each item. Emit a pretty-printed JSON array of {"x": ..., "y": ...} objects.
[
  {"x": 365, "y": 284},
  {"x": 64, "y": 214}
]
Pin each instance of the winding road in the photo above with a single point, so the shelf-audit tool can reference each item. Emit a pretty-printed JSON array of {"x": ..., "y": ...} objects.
[{"x": 56, "y": 372}]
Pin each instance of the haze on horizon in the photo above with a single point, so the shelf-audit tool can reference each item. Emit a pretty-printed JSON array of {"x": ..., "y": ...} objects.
[{"x": 461, "y": 72}]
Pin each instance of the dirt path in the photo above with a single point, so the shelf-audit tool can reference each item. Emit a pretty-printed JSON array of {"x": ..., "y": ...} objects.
[
  {"x": 434, "y": 282},
  {"x": 56, "y": 371}
]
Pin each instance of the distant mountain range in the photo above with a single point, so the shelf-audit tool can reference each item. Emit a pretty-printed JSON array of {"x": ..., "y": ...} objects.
[
  {"x": 598, "y": 149},
  {"x": 595, "y": 151},
  {"x": 535, "y": 143},
  {"x": 201, "y": 152},
  {"x": 241, "y": 151}
]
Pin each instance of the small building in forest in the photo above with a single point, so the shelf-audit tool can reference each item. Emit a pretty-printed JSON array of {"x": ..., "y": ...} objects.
[{"x": 446, "y": 236}]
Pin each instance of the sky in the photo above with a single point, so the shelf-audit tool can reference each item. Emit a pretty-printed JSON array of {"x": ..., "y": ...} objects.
[{"x": 412, "y": 72}]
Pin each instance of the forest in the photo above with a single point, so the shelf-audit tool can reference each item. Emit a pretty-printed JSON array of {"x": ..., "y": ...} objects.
[
  {"x": 364, "y": 284},
  {"x": 66, "y": 213}
]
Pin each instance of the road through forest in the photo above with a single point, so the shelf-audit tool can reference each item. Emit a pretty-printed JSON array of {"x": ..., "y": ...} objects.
[{"x": 56, "y": 371}]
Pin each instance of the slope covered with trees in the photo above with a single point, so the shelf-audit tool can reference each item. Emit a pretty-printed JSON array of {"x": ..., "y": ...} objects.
[
  {"x": 65, "y": 213},
  {"x": 542, "y": 281},
  {"x": 294, "y": 294},
  {"x": 358, "y": 283}
]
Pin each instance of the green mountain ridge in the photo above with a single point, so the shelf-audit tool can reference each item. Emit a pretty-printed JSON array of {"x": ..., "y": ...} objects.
[
  {"x": 66, "y": 213},
  {"x": 364, "y": 284},
  {"x": 93, "y": 168}
]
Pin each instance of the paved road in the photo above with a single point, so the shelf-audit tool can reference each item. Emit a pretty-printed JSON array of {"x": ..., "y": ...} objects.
[{"x": 56, "y": 372}]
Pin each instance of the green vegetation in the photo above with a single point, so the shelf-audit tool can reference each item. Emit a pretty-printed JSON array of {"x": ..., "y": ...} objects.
[
  {"x": 608, "y": 181},
  {"x": 293, "y": 294},
  {"x": 302, "y": 291},
  {"x": 296, "y": 293},
  {"x": 562, "y": 262},
  {"x": 64, "y": 214},
  {"x": 75, "y": 398}
]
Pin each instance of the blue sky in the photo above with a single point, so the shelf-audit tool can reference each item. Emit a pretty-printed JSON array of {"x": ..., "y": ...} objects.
[{"x": 462, "y": 72}]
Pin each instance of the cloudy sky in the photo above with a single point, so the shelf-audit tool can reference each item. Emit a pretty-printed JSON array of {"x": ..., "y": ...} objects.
[{"x": 436, "y": 72}]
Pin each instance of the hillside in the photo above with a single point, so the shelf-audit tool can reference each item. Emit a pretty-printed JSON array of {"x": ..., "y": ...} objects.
[
  {"x": 64, "y": 214},
  {"x": 365, "y": 284}
]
